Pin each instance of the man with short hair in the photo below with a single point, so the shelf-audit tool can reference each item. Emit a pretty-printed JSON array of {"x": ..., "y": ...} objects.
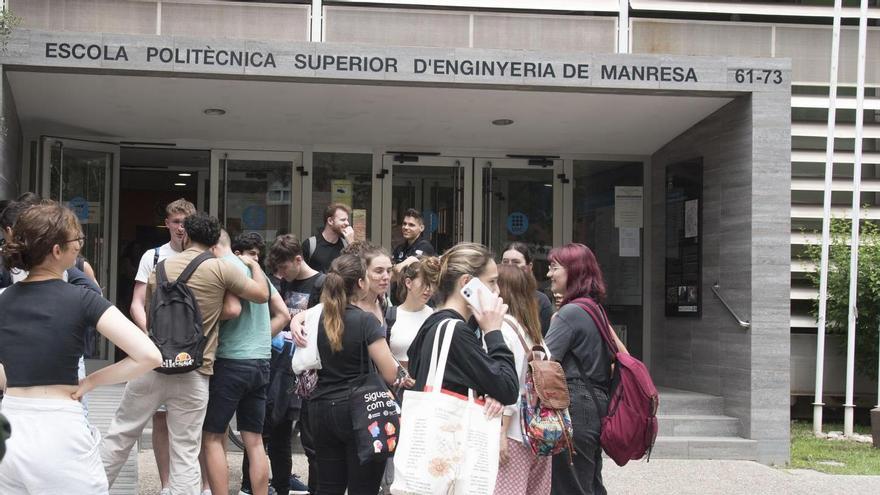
[
  {"x": 241, "y": 373},
  {"x": 414, "y": 246},
  {"x": 414, "y": 243},
  {"x": 184, "y": 394},
  {"x": 320, "y": 250},
  {"x": 175, "y": 214}
]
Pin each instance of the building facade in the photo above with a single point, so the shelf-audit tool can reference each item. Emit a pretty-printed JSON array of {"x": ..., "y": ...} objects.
[{"x": 683, "y": 141}]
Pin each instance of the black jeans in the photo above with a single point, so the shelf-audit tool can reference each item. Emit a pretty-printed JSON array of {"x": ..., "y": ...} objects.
[
  {"x": 308, "y": 443},
  {"x": 277, "y": 440},
  {"x": 585, "y": 476},
  {"x": 336, "y": 452}
]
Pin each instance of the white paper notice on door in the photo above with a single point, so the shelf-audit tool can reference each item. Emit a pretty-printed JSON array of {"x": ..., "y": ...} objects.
[
  {"x": 628, "y": 206},
  {"x": 629, "y": 242},
  {"x": 691, "y": 218}
]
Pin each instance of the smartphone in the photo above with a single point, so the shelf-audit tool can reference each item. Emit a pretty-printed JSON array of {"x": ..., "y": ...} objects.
[{"x": 471, "y": 292}]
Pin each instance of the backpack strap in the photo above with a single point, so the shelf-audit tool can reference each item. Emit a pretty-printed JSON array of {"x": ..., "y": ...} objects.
[
  {"x": 515, "y": 326},
  {"x": 597, "y": 313},
  {"x": 161, "y": 277},
  {"x": 155, "y": 256},
  {"x": 313, "y": 245},
  {"x": 191, "y": 267}
]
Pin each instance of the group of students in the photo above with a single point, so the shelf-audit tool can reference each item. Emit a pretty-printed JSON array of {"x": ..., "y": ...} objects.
[{"x": 387, "y": 306}]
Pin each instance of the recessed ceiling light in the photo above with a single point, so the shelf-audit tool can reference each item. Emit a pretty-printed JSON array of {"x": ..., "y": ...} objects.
[
  {"x": 180, "y": 184},
  {"x": 502, "y": 122},
  {"x": 184, "y": 174},
  {"x": 214, "y": 111}
]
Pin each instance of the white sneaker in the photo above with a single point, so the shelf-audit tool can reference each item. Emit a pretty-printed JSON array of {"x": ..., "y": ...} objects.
[
  {"x": 165, "y": 491},
  {"x": 206, "y": 492}
]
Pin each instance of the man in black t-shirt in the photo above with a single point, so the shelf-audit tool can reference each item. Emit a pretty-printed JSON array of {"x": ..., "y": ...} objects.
[
  {"x": 320, "y": 250},
  {"x": 414, "y": 243}
]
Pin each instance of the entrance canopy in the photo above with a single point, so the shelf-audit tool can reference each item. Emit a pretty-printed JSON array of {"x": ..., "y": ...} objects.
[{"x": 169, "y": 110}]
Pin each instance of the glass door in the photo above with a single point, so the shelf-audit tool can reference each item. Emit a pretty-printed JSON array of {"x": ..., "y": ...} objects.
[
  {"x": 257, "y": 191},
  {"x": 608, "y": 215},
  {"x": 518, "y": 204},
  {"x": 83, "y": 175},
  {"x": 441, "y": 188}
]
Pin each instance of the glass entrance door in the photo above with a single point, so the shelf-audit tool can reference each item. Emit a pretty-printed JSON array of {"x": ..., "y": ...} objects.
[
  {"x": 518, "y": 204},
  {"x": 81, "y": 175},
  {"x": 258, "y": 191},
  {"x": 439, "y": 187},
  {"x": 608, "y": 211}
]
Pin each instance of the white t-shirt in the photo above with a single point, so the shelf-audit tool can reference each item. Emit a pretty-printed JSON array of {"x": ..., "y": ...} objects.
[
  {"x": 146, "y": 266},
  {"x": 405, "y": 328},
  {"x": 514, "y": 432}
]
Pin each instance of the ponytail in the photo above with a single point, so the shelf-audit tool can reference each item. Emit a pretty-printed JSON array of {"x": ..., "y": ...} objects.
[{"x": 342, "y": 280}]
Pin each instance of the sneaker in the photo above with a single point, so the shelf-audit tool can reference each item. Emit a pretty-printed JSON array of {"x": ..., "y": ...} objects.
[
  {"x": 206, "y": 492},
  {"x": 247, "y": 491},
  {"x": 165, "y": 491},
  {"x": 297, "y": 487}
]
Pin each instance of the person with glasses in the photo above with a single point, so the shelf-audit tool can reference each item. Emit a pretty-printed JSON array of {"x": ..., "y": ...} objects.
[
  {"x": 519, "y": 255},
  {"x": 54, "y": 449}
]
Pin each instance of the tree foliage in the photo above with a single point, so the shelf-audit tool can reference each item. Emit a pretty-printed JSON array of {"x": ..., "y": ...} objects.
[{"x": 868, "y": 288}]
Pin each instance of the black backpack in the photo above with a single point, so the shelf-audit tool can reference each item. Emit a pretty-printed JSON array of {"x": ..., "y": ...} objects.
[{"x": 175, "y": 321}]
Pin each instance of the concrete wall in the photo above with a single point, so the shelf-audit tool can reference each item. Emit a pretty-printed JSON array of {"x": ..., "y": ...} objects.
[
  {"x": 10, "y": 144},
  {"x": 746, "y": 224}
]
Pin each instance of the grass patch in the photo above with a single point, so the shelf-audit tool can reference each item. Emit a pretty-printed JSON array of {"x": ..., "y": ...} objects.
[{"x": 807, "y": 451}]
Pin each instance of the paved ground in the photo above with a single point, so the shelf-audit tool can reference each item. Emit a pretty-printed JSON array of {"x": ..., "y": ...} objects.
[{"x": 660, "y": 476}]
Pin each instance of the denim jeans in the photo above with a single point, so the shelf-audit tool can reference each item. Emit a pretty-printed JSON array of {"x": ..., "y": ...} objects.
[
  {"x": 585, "y": 476},
  {"x": 336, "y": 452}
]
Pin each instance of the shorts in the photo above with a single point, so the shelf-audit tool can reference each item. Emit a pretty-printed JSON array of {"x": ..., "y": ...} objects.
[
  {"x": 52, "y": 449},
  {"x": 238, "y": 386}
]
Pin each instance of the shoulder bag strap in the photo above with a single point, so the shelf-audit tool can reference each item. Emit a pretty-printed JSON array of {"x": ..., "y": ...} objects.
[{"x": 191, "y": 267}]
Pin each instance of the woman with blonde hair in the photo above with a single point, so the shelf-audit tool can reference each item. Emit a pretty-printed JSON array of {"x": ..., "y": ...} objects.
[
  {"x": 489, "y": 372},
  {"x": 344, "y": 330},
  {"x": 40, "y": 346},
  {"x": 520, "y": 471}
]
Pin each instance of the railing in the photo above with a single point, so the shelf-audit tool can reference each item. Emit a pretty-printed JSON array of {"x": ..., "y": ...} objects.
[{"x": 741, "y": 322}]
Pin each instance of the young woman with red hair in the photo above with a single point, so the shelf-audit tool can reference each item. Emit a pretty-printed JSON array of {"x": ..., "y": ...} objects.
[{"x": 574, "y": 341}]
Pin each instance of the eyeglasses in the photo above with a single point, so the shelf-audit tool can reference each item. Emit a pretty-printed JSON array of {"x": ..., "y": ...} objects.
[{"x": 81, "y": 240}]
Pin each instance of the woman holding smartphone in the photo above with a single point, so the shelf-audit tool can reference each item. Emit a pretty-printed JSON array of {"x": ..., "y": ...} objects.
[{"x": 490, "y": 372}]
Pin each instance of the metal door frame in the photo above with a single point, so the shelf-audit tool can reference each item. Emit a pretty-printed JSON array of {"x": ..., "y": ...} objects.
[
  {"x": 300, "y": 180},
  {"x": 562, "y": 221},
  {"x": 386, "y": 182}
]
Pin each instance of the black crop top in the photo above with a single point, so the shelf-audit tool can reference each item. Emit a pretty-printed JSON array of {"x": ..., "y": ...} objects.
[{"x": 42, "y": 326}]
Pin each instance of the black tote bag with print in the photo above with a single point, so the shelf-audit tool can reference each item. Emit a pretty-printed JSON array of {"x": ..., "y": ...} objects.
[{"x": 375, "y": 415}]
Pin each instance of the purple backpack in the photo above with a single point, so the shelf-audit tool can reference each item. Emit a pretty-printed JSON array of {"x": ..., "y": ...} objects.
[{"x": 630, "y": 427}]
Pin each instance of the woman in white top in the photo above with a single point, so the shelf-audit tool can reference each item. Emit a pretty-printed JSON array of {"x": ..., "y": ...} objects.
[
  {"x": 520, "y": 471},
  {"x": 418, "y": 279}
]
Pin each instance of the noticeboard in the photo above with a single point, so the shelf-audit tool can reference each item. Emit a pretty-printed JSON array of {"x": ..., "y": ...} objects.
[{"x": 684, "y": 230}]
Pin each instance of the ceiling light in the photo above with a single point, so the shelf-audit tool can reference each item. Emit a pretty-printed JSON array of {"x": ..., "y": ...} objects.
[
  {"x": 180, "y": 184},
  {"x": 502, "y": 122},
  {"x": 214, "y": 111},
  {"x": 184, "y": 174}
]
